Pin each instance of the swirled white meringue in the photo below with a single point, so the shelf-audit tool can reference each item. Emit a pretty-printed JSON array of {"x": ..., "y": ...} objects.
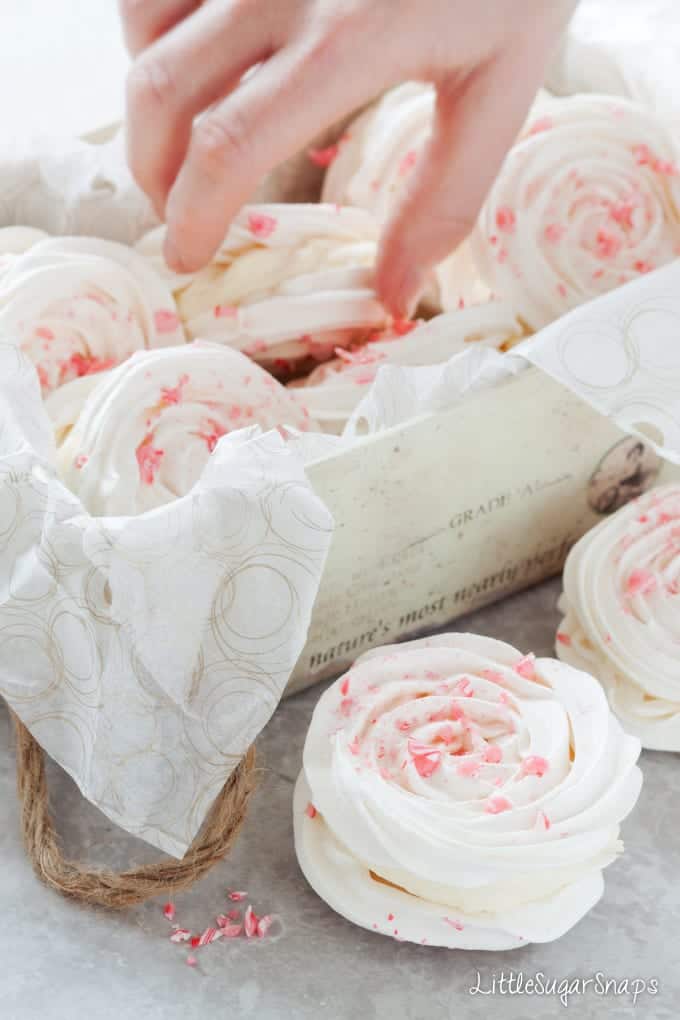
[
  {"x": 65, "y": 404},
  {"x": 333, "y": 390},
  {"x": 373, "y": 163},
  {"x": 145, "y": 433},
  {"x": 289, "y": 282},
  {"x": 457, "y": 793},
  {"x": 587, "y": 200},
  {"x": 80, "y": 305},
  {"x": 622, "y": 604}
]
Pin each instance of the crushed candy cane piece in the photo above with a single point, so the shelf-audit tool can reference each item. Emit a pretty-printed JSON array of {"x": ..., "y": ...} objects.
[
  {"x": 169, "y": 911},
  {"x": 250, "y": 922},
  {"x": 263, "y": 925},
  {"x": 207, "y": 937},
  {"x": 496, "y": 805},
  {"x": 426, "y": 759},
  {"x": 526, "y": 667},
  {"x": 181, "y": 935},
  {"x": 236, "y": 897}
]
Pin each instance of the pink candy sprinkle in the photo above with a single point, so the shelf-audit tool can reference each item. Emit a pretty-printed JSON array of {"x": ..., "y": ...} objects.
[
  {"x": 263, "y": 925},
  {"x": 192, "y": 961},
  {"x": 564, "y": 639},
  {"x": 493, "y": 676},
  {"x": 169, "y": 911},
  {"x": 468, "y": 768},
  {"x": 608, "y": 245},
  {"x": 641, "y": 582},
  {"x": 493, "y": 754},
  {"x": 261, "y": 225},
  {"x": 497, "y": 804},
  {"x": 344, "y": 687},
  {"x": 526, "y": 667},
  {"x": 535, "y": 765},
  {"x": 324, "y": 157},
  {"x": 172, "y": 395},
  {"x": 554, "y": 233},
  {"x": 542, "y": 821},
  {"x": 464, "y": 687},
  {"x": 166, "y": 321},
  {"x": 505, "y": 219},
  {"x": 447, "y": 734},
  {"x": 225, "y": 311},
  {"x": 542, "y": 124},
  {"x": 454, "y": 924},
  {"x": 408, "y": 162},
  {"x": 148, "y": 460},
  {"x": 642, "y": 155},
  {"x": 426, "y": 759},
  {"x": 80, "y": 461},
  {"x": 44, "y": 333},
  {"x": 311, "y": 811},
  {"x": 250, "y": 923},
  {"x": 206, "y": 938}
]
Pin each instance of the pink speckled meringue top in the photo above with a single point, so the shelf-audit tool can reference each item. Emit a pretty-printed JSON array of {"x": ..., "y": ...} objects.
[
  {"x": 77, "y": 306},
  {"x": 622, "y": 605},
  {"x": 333, "y": 390},
  {"x": 457, "y": 793},
  {"x": 146, "y": 432},
  {"x": 290, "y": 282},
  {"x": 587, "y": 200}
]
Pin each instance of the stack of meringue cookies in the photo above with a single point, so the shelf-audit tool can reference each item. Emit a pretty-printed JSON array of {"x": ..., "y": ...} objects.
[{"x": 455, "y": 791}]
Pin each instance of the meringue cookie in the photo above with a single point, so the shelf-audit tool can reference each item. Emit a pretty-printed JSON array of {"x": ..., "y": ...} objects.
[
  {"x": 80, "y": 305},
  {"x": 333, "y": 390},
  {"x": 147, "y": 430},
  {"x": 587, "y": 200},
  {"x": 289, "y": 282},
  {"x": 456, "y": 793},
  {"x": 65, "y": 404},
  {"x": 622, "y": 605},
  {"x": 373, "y": 162}
]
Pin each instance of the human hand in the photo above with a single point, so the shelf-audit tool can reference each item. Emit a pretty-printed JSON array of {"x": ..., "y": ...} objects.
[{"x": 312, "y": 62}]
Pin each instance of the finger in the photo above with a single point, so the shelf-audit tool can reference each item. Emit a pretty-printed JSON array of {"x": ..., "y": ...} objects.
[
  {"x": 269, "y": 117},
  {"x": 181, "y": 75},
  {"x": 144, "y": 21},
  {"x": 477, "y": 120}
]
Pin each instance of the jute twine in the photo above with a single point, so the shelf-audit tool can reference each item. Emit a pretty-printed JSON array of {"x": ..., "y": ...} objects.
[{"x": 118, "y": 890}]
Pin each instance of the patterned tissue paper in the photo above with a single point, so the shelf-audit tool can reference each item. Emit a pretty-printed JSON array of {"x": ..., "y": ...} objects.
[
  {"x": 146, "y": 653},
  {"x": 621, "y": 354}
]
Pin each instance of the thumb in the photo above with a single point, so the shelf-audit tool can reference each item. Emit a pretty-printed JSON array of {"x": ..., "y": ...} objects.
[{"x": 477, "y": 119}]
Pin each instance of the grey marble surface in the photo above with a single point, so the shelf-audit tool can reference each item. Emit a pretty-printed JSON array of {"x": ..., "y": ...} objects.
[{"x": 62, "y": 962}]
